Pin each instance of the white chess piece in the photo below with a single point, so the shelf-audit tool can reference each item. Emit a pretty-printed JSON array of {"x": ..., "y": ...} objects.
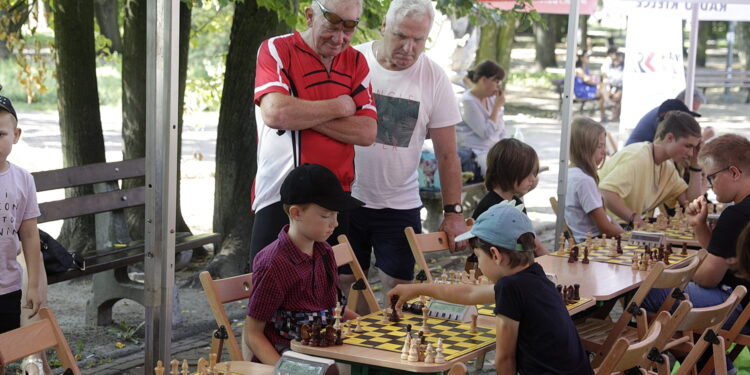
[
  {"x": 439, "y": 357},
  {"x": 407, "y": 347}
]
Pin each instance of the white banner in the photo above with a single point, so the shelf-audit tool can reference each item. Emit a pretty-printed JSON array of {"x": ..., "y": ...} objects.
[
  {"x": 709, "y": 10},
  {"x": 653, "y": 69}
]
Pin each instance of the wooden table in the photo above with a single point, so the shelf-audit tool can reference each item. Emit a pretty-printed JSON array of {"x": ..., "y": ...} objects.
[
  {"x": 362, "y": 358},
  {"x": 602, "y": 281},
  {"x": 244, "y": 368}
]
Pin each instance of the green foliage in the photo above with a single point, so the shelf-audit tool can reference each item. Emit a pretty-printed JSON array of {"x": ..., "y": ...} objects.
[
  {"x": 126, "y": 332},
  {"x": 537, "y": 80}
]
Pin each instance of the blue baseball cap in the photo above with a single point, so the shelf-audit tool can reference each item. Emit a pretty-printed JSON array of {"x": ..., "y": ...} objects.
[{"x": 501, "y": 225}]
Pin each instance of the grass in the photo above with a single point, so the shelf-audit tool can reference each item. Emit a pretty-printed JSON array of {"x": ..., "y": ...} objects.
[{"x": 541, "y": 80}]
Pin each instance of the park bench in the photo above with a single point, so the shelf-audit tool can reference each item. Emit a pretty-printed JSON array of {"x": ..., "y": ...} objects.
[
  {"x": 559, "y": 88},
  {"x": 707, "y": 78},
  {"x": 114, "y": 248}
]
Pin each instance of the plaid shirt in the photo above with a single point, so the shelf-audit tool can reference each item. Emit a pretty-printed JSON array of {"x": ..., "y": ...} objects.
[{"x": 287, "y": 280}]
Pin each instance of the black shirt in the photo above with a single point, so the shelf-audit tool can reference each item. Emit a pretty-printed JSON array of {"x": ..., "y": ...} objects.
[
  {"x": 724, "y": 237},
  {"x": 490, "y": 199},
  {"x": 548, "y": 342}
]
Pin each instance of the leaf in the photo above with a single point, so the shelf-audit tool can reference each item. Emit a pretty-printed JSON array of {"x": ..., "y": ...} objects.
[{"x": 119, "y": 345}]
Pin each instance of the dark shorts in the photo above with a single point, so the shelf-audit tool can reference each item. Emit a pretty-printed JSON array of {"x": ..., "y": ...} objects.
[
  {"x": 10, "y": 311},
  {"x": 382, "y": 230},
  {"x": 269, "y": 221}
]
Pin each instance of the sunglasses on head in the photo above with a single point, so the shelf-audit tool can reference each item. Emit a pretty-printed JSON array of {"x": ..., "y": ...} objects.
[{"x": 335, "y": 19}]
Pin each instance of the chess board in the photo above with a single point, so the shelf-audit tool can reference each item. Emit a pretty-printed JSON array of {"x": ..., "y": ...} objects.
[
  {"x": 626, "y": 258},
  {"x": 457, "y": 338},
  {"x": 489, "y": 309}
]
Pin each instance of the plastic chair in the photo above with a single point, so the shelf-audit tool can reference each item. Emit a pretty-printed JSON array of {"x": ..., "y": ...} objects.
[{"x": 36, "y": 337}]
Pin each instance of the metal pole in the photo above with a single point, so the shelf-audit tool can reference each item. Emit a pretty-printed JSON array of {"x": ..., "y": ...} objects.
[
  {"x": 567, "y": 113},
  {"x": 161, "y": 165},
  {"x": 692, "y": 54},
  {"x": 730, "y": 53}
]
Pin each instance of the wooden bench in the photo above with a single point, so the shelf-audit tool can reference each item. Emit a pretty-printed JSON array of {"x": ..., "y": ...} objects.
[
  {"x": 114, "y": 248},
  {"x": 707, "y": 78}
]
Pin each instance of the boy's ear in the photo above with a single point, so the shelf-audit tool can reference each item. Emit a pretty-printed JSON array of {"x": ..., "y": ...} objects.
[
  {"x": 496, "y": 255},
  {"x": 16, "y": 135},
  {"x": 295, "y": 212}
]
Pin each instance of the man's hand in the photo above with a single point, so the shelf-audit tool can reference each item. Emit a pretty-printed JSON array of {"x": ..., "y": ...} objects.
[
  {"x": 697, "y": 212},
  {"x": 33, "y": 301},
  {"x": 348, "y": 107},
  {"x": 453, "y": 225}
]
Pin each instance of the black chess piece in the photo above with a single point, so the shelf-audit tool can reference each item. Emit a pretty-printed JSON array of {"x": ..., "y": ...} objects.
[
  {"x": 576, "y": 292},
  {"x": 394, "y": 318},
  {"x": 339, "y": 341},
  {"x": 619, "y": 244},
  {"x": 585, "y": 259},
  {"x": 421, "y": 276}
]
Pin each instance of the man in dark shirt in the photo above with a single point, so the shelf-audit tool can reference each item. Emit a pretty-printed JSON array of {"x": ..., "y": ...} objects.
[{"x": 646, "y": 128}]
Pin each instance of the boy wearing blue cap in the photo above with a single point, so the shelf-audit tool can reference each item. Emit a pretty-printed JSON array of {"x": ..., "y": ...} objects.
[{"x": 535, "y": 334}]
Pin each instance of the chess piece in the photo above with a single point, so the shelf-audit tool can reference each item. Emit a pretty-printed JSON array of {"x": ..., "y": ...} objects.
[
  {"x": 560, "y": 291},
  {"x": 474, "y": 323},
  {"x": 201, "y": 366},
  {"x": 185, "y": 367},
  {"x": 304, "y": 334},
  {"x": 452, "y": 274},
  {"x": 635, "y": 265},
  {"x": 413, "y": 351},
  {"x": 337, "y": 315},
  {"x": 339, "y": 340},
  {"x": 589, "y": 239},
  {"x": 573, "y": 255},
  {"x": 394, "y": 318},
  {"x": 174, "y": 367},
  {"x": 358, "y": 328},
  {"x": 619, "y": 244},
  {"x": 384, "y": 316},
  {"x": 684, "y": 248},
  {"x": 604, "y": 242},
  {"x": 562, "y": 243},
  {"x": 159, "y": 369},
  {"x": 425, "y": 314},
  {"x": 666, "y": 257},
  {"x": 439, "y": 357},
  {"x": 212, "y": 362},
  {"x": 330, "y": 336},
  {"x": 472, "y": 276},
  {"x": 576, "y": 292},
  {"x": 429, "y": 354},
  {"x": 585, "y": 255},
  {"x": 613, "y": 252},
  {"x": 407, "y": 347},
  {"x": 315, "y": 334}
]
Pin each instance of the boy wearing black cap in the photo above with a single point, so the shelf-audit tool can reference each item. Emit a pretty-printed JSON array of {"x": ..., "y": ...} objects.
[
  {"x": 295, "y": 279},
  {"x": 535, "y": 334},
  {"x": 20, "y": 210}
]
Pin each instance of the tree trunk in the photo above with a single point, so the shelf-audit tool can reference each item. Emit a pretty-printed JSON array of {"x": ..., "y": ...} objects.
[
  {"x": 496, "y": 42},
  {"x": 134, "y": 100},
  {"x": 544, "y": 43},
  {"x": 12, "y": 18},
  {"x": 78, "y": 106},
  {"x": 236, "y": 143},
  {"x": 584, "y": 25},
  {"x": 704, "y": 33},
  {"x": 106, "y": 17}
]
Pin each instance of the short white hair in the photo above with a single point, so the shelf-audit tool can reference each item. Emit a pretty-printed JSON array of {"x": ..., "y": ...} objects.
[
  {"x": 325, "y": 3},
  {"x": 408, "y": 8}
]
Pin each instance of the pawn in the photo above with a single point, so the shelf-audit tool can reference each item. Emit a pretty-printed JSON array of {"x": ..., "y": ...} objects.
[
  {"x": 159, "y": 369},
  {"x": 212, "y": 362},
  {"x": 358, "y": 328},
  {"x": 636, "y": 265},
  {"x": 384, "y": 316},
  {"x": 439, "y": 357},
  {"x": 202, "y": 364},
  {"x": 684, "y": 248},
  {"x": 186, "y": 368},
  {"x": 585, "y": 259},
  {"x": 562, "y": 243},
  {"x": 407, "y": 346},
  {"x": 429, "y": 356},
  {"x": 174, "y": 367},
  {"x": 474, "y": 323},
  {"x": 413, "y": 350}
]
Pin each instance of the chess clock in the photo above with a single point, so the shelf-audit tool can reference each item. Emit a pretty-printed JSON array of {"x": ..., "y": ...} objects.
[
  {"x": 451, "y": 311},
  {"x": 647, "y": 238},
  {"x": 293, "y": 363}
]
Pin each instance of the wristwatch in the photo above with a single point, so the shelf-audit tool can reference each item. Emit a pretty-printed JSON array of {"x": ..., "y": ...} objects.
[{"x": 453, "y": 208}]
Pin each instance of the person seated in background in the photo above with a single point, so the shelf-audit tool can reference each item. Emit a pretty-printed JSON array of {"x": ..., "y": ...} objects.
[
  {"x": 585, "y": 85},
  {"x": 535, "y": 334},
  {"x": 646, "y": 128},
  {"x": 725, "y": 160},
  {"x": 482, "y": 112},
  {"x": 642, "y": 176},
  {"x": 295, "y": 279},
  {"x": 613, "y": 83},
  {"x": 584, "y": 206}
]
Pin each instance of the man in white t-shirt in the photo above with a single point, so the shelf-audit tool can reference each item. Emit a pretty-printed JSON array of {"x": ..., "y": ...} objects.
[{"x": 414, "y": 99}]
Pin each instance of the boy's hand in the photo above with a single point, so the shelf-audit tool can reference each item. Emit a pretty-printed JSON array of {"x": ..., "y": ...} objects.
[
  {"x": 405, "y": 292},
  {"x": 33, "y": 301},
  {"x": 697, "y": 212}
]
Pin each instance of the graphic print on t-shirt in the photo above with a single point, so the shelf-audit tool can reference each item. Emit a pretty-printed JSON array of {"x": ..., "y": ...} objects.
[
  {"x": 8, "y": 211},
  {"x": 397, "y": 119}
]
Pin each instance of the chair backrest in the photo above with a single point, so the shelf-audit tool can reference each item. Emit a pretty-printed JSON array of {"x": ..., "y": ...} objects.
[
  {"x": 36, "y": 337},
  {"x": 458, "y": 368},
  {"x": 428, "y": 243},
  {"x": 625, "y": 356},
  {"x": 566, "y": 228},
  {"x": 709, "y": 320},
  {"x": 657, "y": 277},
  {"x": 344, "y": 255},
  {"x": 221, "y": 291}
]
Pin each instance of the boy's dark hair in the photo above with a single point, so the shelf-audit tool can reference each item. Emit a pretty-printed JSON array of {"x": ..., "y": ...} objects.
[
  {"x": 517, "y": 258},
  {"x": 680, "y": 124},
  {"x": 509, "y": 161},
  {"x": 286, "y": 207}
]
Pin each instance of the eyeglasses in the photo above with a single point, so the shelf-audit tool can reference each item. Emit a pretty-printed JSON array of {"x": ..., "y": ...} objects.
[
  {"x": 711, "y": 176},
  {"x": 335, "y": 19}
]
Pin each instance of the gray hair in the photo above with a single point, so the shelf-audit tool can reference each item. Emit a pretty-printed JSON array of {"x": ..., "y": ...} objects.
[
  {"x": 698, "y": 96},
  {"x": 409, "y": 8},
  {"x": 325, "y": 3}
]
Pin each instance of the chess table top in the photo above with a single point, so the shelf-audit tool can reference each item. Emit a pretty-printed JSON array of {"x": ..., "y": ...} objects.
[{"x": 601, "y": 254}]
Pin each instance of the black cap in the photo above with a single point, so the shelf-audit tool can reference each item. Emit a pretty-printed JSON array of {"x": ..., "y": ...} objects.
[
  {"x": 7, "y": 105},
  {"x": 675, "y": 105},
  {"x": 314, "y": 183}
]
